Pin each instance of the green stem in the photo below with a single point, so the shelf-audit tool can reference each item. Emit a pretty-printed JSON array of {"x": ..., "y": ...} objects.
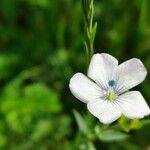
[{"x": 90, "y": 27}]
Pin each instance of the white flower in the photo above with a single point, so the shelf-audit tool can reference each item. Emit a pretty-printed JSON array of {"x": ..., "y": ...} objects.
[{"x": 105, "y": 90}]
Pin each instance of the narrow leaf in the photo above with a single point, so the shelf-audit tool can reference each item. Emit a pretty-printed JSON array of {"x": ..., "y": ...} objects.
[
  {"x": 92, "y": 36},
  {"x": 112, "y": 135},
  {"x": 91, "y": 146},
  {"x": 81, "y": 122}
]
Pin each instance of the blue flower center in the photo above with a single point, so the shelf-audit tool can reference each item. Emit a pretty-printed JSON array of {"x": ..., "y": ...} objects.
[{"x": 112, "y": 83}]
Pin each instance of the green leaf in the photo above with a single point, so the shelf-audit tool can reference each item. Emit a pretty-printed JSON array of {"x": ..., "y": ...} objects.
[
  {"x": 42, "y": 128},
  {"x": 81, "y": 122},
  {"x": 91, "y": 146},
  {"x": 112, "y": 135},
  {"x": 92, "y": 35},
  {"x": 87, "y": 146},
  {"x": 40, "y": 93}
]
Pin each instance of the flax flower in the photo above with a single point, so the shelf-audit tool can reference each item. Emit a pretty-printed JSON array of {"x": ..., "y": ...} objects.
[{"x": 105, "y": 89}]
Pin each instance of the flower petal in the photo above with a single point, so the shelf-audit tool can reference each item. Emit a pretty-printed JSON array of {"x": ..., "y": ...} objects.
[
  {"x": 102, "y": 69},
  {"x": 84, "y": 89},
  {"x": 106, "y": 111},
  {"x": 130, "y": 74},
  {"x": 133, "y": 105}
]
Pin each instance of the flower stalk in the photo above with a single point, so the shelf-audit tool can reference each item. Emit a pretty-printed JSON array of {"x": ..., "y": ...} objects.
[{"x": 90, "y": 27}]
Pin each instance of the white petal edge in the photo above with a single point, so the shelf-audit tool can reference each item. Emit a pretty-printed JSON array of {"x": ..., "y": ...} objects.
[
  {"x": 106, "y": 111},
  {"x": 133, "y": 105},
  {"x": 102, "y": 69},
  {"x": 130, "y": 74},
  {"x": 84, "y": 89}
]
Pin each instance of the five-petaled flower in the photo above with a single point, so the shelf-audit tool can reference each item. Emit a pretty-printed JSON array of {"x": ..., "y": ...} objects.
[{"x": 105, "y": 90}]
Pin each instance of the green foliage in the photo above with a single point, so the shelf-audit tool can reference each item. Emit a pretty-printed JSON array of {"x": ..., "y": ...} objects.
[
  {"x": 90, "y": 29},
  {"x": 112, "y": 135},
  {"x": 41, "y": 47},
  {"x": 81, "y": 122}
]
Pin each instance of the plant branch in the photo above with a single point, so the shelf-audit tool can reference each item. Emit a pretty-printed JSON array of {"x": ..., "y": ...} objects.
[{"x": 90, "y": 27}]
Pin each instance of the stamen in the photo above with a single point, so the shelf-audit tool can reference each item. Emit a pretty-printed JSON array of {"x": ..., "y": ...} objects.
[
  {"x": 110, "y": 96},
  {"x": 112, "y": 83}
]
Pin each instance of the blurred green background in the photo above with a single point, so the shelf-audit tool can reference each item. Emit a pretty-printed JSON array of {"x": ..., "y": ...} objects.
[{"x": 41, "y": 47}]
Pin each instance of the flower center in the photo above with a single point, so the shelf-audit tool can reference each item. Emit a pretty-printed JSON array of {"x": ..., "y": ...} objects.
[
  {"x": 110, "y": 96},
  {"x": 111, "y": 83}
]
